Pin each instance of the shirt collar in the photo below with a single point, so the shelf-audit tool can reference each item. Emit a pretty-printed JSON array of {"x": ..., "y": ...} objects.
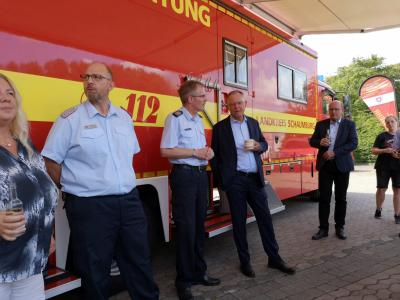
[
  {"x": 188, "y": 115},
  {"x": 336, "y": 122},
  {"x": 92, "y": 111},
  {"x": 236, "y": 121}
]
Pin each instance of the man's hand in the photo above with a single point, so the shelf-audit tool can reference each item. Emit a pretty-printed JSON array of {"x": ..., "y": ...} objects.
[
  {"x": 205, "y": 153},
  {"x": 325, "y": 142},
  {"x": 328, "y": 155},
  {"x": 52, "y": 245},
  {"x": 388, "y": 150},
  {"x": 257, "y": 146},
  {"x": 12, "y": 225},
  {"x": 252, "y": 145},
  {"x": 395, "y": 154}
]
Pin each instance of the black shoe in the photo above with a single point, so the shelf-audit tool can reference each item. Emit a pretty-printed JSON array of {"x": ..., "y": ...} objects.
[
  {"x": 320, "y": 235},
  {"x": 282, "y": 266},
  {"x": 397, "y": 219},
  {"x": 340, "y": 234},
  {"x": 184, "y": 293},
  {"x": 247, "y": 270},
  {"x": 207, "y": 280},
  {"x": 378, "y": 213}
]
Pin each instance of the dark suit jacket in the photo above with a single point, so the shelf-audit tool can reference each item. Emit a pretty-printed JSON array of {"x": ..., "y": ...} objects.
[
  {"x": 346, "y": 142},
  {"x": 224, "y": 163}
]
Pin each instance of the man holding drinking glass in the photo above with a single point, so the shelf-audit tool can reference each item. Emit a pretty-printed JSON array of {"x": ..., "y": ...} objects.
[
  {"x": 335, "y": 139},
  {"x": 237, "y": 167},
  {"x": 89, "y": 153}
]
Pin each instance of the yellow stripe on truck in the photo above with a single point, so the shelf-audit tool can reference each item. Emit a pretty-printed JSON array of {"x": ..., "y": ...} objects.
[
  {"x": 45, "y": 98},
  {"x": 281, "y": 122}
]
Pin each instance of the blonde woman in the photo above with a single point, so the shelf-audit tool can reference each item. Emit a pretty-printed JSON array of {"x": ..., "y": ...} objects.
[
  {"x": 27, "y": 201},
  {"x": 387, "y": 167}
]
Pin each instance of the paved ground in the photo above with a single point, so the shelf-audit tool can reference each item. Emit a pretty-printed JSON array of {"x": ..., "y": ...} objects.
[{"x": 365, "y": 266}]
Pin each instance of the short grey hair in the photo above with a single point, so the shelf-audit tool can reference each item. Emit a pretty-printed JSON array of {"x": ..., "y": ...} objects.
[
  {"x": 390, "y": 117},
  {"x": 187, "y": 88}
]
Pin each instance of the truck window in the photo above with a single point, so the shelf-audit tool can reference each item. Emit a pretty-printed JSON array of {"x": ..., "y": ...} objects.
[
  {"x": 235, "y": 65},
  {"x": 292, "y": 84}
]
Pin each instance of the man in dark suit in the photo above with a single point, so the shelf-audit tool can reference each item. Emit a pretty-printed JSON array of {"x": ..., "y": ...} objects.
[
  {"x": 237, "y": 167},
  {"x": 335, "y": 139}
]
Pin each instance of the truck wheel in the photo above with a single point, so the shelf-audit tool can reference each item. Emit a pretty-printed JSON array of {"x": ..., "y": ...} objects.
[
  {"x": 148, "y": 195},
  {"x": 154, "y": 226},
  {"x": 315, "y": 196}
]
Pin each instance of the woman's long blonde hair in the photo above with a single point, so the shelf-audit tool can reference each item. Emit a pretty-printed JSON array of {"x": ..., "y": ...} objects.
[{"x": 19, "y": 126}]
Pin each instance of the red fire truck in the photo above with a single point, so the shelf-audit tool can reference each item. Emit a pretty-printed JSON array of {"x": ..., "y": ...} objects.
[{"x": 151, "y": 47}]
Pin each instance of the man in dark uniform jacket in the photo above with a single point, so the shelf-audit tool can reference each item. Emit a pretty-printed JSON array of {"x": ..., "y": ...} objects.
[
  {"x": 238, "y": 142},
  {"x": 335, "y": 139}
]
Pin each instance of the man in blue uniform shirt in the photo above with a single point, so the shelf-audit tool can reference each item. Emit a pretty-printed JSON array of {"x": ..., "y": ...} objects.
[
  {"x": 237, "y": 167},
  {"x": 184, "y": 144},
  {"x": 89, "y": 153}
]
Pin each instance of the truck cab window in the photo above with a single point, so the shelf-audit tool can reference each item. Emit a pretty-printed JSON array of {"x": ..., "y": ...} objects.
[
  {"x": 292, "y": 84},
  {"x": 235, "y": 65}
]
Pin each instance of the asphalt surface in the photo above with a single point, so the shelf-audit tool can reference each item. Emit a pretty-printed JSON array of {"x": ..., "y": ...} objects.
[{"x": 365, "y": 266}]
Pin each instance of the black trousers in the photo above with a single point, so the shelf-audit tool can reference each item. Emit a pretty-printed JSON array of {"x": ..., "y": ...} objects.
[
  {"x": 189, "y": 204},
  {"x": 328, "y": 175},
  {"x": 243, "y": 190},
  {"x": 105, "y": 227}
]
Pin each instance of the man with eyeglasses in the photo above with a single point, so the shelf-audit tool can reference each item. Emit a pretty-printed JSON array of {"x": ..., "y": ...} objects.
[
  {"x": 89, "y": 154},
  {"x": 336, "y": 139},
  {"x": 184, "y": 144},
  {"x": 237, "y": 167}
]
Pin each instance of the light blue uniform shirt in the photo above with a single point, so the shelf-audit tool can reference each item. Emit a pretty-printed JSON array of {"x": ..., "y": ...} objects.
[
  {"x": 245, "y": 159},
  {"x": 333, "y": 130},
  {"x": 182, "y": 130},
  {"x": 95, "y": 152}
]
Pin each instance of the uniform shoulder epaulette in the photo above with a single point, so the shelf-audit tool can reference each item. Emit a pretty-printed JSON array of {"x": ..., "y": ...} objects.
[
  {"x": 178, "y": 113},
  {"x": 200, "y": 116},
  {"x": 69, "y": 112},
  {"x": 130, "y": 115}
]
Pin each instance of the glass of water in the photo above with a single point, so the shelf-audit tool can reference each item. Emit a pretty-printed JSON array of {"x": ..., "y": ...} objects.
[{"x": 15, "y": 205}]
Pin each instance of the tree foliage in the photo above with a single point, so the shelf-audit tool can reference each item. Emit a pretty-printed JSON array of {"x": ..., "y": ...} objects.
[{"x": 348, "y": 81}]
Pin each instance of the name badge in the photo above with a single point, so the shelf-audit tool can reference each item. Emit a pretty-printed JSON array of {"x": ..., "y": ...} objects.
[{"x": 90, "y": 126}]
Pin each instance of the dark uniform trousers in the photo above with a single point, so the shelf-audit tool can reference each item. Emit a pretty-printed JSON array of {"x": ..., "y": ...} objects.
[
  {"x": 189, "y": 204},
  {"x": 105, "y": 227},
  {"x": 243, "y": 189},
  {"x": 328, "y": 175}
]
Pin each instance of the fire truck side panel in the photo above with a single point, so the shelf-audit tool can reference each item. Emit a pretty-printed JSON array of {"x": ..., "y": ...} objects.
[{"x": 151, "y": 47}]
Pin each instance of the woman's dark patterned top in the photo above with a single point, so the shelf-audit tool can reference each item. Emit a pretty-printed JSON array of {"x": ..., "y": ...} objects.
[{"x": 27, "y": 255}]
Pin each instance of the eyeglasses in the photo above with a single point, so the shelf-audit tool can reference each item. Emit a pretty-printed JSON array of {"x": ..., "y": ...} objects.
[
  {"x": 95, "y": 77},
  {"x": 199, "y": 96},
  {"x": 238, "y": 103}
]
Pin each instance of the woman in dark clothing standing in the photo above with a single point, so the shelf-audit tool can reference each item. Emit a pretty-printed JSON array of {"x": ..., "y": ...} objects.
[
  {"x": 27, "y": 202},
  {"x": 387, "y": 167}
]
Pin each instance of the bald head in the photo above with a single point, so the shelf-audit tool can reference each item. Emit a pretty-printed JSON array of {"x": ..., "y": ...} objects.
[
  {"x": 98, "y": 82},
  {"x": 335, "y": 110},
  {"x": 100, "y": 67}
]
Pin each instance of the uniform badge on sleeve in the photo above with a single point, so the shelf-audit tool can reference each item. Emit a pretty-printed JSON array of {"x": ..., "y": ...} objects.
[
  {"x": 69, "y": 112},
  {"x": 178, "y": 113}
]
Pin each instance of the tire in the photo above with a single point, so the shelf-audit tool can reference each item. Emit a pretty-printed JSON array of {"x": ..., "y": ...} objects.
[
  {"x": 153, "y": 215},
  {"x": 315, "y": 196}
]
